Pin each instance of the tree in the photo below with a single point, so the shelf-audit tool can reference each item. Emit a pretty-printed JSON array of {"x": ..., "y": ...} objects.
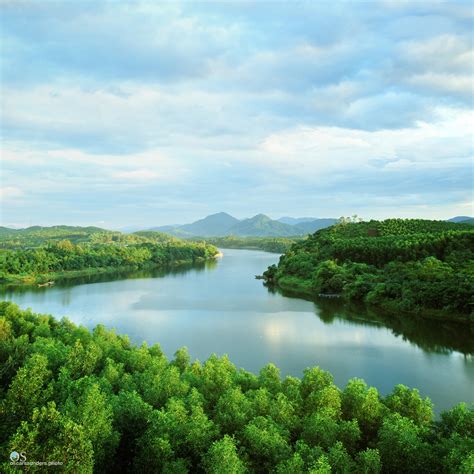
[
  {"x": 409, "y": 403},
  {"x": 363, "y": 404},
  {"x": 266, "y": 443},
  {"x": 28, "y": 389},
  {"x": 222, "y": 458},
  {"x": 402, "y": 448},
  {"x": 51, "y": 436},
  {"x": 233, "y": 410},
  {"x": 368, "y": 462}
]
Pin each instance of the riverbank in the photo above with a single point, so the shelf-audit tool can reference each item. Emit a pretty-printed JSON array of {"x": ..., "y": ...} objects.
[
  {"x": 52, "y": 277},
  {"x": 415, "y": 267},
  {"x": 277, "y": 245},
  {"x": 301, "y": 288},
  {"x": 219, "y": 307}
]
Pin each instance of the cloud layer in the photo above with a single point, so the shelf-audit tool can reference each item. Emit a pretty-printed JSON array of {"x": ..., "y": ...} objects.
[{"x": 145, "y": 114}]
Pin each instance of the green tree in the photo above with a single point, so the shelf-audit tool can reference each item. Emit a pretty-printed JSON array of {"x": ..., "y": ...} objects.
[
  {"x": 409, "y": 403},
  {"x": 50, "y": 436},
  {"x": 29, "y": 388},
  {"x": 222, "y": 458}
]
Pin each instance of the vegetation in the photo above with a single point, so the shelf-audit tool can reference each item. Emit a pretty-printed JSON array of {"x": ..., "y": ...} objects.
[
  {"x": 98, "y": 251},
  {"x": 95, "y": 402},
  {"x": 36, "y": 235},
  {"x": 268, "y": 244},
  {"x": 416, "y": 266},
  {"x": 222, "y": 224}
]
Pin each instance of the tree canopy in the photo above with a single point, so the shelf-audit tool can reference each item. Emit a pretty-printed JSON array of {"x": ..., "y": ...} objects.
[
  {"x": 410, "y": 265},
  {"x": 97, "y": 403}
]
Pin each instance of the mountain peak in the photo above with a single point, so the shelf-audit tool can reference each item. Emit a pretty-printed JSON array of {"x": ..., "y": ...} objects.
[{"x": 260, "y": 217}]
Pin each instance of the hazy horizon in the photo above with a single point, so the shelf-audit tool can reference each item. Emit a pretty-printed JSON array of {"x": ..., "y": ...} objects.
[
  {"x": 150, "y": 225},
  {"x": 121, "y": 114}
]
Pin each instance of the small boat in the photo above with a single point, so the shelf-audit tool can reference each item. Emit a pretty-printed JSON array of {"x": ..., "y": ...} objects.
[{"x": 48, "y": 283}]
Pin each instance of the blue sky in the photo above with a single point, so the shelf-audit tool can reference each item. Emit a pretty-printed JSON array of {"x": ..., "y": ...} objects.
[{"x": 145, "y": 113}]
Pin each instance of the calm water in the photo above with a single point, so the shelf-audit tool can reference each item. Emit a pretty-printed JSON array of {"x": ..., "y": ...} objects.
[{"x": 220, "y": 307}]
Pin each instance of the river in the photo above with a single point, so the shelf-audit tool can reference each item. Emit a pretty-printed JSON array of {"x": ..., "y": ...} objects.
[{"x": 219, "y": 307}]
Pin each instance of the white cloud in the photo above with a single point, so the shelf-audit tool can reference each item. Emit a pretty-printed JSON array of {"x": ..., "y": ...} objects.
[
  {"x": 8, "y": 193},
  {"x": 447, "y": 82},
  {"x": 309, "y": 152},
  {"x": 138, "y": 174}
]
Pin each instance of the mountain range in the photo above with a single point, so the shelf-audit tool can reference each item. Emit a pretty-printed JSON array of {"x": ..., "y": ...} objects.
[
  {"x": 462, "y": 219},
  {"x": 222, "y": 224}
]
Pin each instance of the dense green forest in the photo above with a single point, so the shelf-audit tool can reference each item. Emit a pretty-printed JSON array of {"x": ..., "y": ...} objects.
[
  {"x": 37, "y": 235},
  {"x": 95, "y": 402},
  {"x": 416, "y": 266},
  {"x": 268, "y": 244},
  {"x": 42, "y": 254}
]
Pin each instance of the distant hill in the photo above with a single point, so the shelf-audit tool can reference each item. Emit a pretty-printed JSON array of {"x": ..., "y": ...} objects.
[
  {"x": 222, "y": 224},
  {"x": 295, "y": 220},
  {"x": 215, "y": 224},
  {"x": 313, "y": 226},
  {"x": 56, "y": 229},
  {"x": 37, "y": 235},
  {"x": 469, "y": 221},
  {"x": 460, "y": 219},
  {"x": 211, "y": 226},
  {"x": 262, "y": 226}
]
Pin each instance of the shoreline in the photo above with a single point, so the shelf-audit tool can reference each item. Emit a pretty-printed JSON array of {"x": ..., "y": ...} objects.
[
  {"x": 50, "y": 278},
  {"x": 301, "y": 291}
]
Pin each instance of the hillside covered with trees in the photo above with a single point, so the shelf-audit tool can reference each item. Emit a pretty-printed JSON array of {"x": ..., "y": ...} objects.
[
  {"x": 267, "y": 244},
  {"x": 417, "y": 266},
  {"x": 95, "y": 402},
  {"x": 41, "y": 254},
  {"x": 260, "y": 225}
]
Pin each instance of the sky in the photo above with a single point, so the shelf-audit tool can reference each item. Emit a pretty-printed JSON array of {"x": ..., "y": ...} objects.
[{"x": 122, "y": 114}]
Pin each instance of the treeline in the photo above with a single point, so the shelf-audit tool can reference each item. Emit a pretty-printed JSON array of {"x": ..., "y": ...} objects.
[
  {"x": 408, "y": 265},
  {"x": 63, "y": 258},
  {"x": 97, "y": 403},
  {"x": 268, "y": 244},
  {"x": 36, "y": 236}
]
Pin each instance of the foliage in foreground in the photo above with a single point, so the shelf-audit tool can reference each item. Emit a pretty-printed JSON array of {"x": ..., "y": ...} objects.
[
  {"x": 408, "y": 265},
  {"x": 95, "y": 402}
]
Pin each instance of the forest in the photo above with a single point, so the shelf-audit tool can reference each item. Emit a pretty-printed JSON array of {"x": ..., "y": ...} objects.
[
  {"x": 43, "y": 254},
  {"x": 409, "y": 265},
  {"x": 94, "y": 402},
  {"x": 267, "y": 244}
]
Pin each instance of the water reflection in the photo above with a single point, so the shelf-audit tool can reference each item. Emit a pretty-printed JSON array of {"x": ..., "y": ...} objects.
[
  {"x": 219, "y": 307},
  {"x": 428, "y": 334}
]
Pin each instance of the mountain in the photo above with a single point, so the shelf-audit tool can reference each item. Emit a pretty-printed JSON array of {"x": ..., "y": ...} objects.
[
  {"x": 215, "y": 224},
  {"x": 295, "y": 220},
  {"x": 469, "y": 221},
  {"x": 262, "y": 226},
  {"x": 313, "y": 226},
  {"x": 460, "y": 219},
  {"x": 211, "y": 226},
  {"x": 222, "y": 224}
]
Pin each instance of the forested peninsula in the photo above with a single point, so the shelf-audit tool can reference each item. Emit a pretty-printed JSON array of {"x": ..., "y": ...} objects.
[
  {"x": 95, "y": 402},
  {"x": 267, "y": 244},
  {"x": 415, "y": 266},
  {"x": 39, "y": 255}
]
